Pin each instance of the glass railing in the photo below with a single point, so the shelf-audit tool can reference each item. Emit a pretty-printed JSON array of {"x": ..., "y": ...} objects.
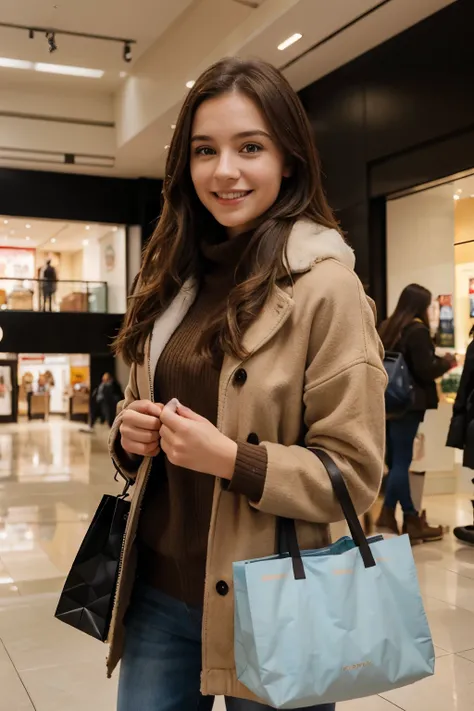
[{"x": 43, "y": 295}]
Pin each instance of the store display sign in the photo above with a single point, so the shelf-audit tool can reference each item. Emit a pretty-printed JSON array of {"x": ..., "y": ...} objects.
[
  {"x": 446, "y": 321},
  {"x": 433, "y": 316},
  {"x": 471, "y": 298}
]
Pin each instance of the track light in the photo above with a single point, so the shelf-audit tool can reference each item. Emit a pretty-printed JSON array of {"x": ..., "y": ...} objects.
[
  {"x": 52, "y": 46},
  {"x": 127, "y": 52},
  {"x": 31, "y": 34}
]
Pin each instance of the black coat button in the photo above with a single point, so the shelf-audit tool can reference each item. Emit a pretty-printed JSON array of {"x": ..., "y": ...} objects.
[
  {"x": 253, "y": 438},
  {"x": 222, "y": 588},
  {"x": 240, "y": 376}
]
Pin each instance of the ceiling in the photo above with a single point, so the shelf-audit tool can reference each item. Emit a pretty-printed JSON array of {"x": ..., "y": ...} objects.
[
  {"x": 119, "y": 124},
  {"x": 68, "y": 236}
]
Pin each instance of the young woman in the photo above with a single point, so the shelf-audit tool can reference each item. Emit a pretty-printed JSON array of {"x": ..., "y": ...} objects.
[
  {"x": 408, "y": 331},
  {"x": 247, "y": 311}
]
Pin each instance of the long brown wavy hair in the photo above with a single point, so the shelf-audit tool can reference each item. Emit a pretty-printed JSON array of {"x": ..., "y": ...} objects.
[
  {"x": 172, "y": 255},
  {"x": 413, "y": 304}
]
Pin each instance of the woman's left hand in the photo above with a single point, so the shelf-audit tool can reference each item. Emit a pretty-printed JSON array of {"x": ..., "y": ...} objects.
[{"x": 191, "y": 441}]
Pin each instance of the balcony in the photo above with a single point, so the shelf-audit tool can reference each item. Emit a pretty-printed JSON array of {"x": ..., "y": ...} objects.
[{"x": 67, "y": 297}]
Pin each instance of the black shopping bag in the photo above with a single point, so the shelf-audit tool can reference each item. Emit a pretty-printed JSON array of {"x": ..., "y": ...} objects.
[{"x": 88, "y": 596}]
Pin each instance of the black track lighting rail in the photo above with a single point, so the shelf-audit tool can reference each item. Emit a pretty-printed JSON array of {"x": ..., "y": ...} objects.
[{"x": 53, "y": 30}]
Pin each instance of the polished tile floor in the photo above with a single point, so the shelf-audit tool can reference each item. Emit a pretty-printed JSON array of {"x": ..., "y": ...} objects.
[{"x": 51, "y": 479}]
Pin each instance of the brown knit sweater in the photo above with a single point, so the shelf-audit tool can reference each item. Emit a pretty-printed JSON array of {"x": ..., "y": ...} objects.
[{"x": 174, "y": 524}]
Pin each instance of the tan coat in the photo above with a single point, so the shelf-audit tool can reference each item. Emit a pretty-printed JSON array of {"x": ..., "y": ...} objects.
[{"x": 314, "y": 367}]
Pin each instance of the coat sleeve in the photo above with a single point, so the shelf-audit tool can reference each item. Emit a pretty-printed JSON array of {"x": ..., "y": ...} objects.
[
  {"x": 344, "y": 411},
  {"x": 459, "y": 421},
  {"x": 420, "y": 353},
  {"x": 127, "y": 465}
]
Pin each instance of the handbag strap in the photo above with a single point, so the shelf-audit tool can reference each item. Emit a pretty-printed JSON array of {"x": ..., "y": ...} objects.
[{"x": 286, "y": 528}]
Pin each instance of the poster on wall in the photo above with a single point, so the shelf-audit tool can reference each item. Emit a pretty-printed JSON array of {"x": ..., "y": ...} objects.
[
  {"x": 109, "y": 258},
  {"x": 17, "y": 263},
  {"x": 79, "y": 375},
  {"x": 433, "y": 317},
  {"x": 445, "y": 337},
  {"x": 471, "y": 298}
]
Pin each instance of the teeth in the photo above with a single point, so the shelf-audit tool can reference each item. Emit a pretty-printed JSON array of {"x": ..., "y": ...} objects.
[{"x": 232, "y": 196}]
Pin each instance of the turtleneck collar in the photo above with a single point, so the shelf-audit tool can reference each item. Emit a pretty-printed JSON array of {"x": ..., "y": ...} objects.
[{"x": 221, "y": 259}]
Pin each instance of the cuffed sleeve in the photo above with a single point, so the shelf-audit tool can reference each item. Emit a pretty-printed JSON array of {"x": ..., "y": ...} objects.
[
  {"x": 250, "y": 471},
  {"x": 126, "y": 464}
]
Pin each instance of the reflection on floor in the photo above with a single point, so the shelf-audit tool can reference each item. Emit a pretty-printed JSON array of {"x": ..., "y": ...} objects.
[{"x": 51, "y": 479}]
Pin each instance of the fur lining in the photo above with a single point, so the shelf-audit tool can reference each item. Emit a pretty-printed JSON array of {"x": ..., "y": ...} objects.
[{"x": 309, "y": 243}]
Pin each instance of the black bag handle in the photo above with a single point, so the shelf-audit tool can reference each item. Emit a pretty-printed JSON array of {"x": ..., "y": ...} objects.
[{"x": 286, "y": 530}]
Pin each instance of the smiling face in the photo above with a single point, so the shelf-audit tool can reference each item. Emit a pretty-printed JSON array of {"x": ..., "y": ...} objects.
[{"x": 236, "y": 167}]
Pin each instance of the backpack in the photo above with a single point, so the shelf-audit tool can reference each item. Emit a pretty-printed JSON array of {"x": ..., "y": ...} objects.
[{"x": 400, "y": 390}]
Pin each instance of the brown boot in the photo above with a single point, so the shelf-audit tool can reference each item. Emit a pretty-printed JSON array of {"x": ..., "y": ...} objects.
[
  {"x": 418, "y": 529},
  {"x": 387, "y": 521}
]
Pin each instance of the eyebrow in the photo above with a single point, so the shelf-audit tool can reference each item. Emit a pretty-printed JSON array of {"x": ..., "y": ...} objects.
[{"x": 242, "y": 134}]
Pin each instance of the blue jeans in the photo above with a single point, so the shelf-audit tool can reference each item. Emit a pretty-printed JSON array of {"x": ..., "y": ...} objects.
[
  {"x": 161, "y": 665},
  {"x": 401, "y": 437}
]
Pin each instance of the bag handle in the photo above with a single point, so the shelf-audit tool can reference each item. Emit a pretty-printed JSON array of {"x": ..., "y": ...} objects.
[{"x": 288, "y": 540}]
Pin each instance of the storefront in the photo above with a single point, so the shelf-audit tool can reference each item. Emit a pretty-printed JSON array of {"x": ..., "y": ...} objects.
[
  {"x": 37, "y": 386},
  {"x": 430, "y": 241}
]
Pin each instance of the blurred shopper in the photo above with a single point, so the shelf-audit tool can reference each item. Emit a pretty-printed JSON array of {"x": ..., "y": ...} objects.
[
  {"x": 108, "y": 396},
  {"x": 103, "y": 402},
  {"x": 461, "y": 431},
  {"x": 49, "y": 284},
  {"x": 248, "y": 311},
  {"x": 407, "y": 331}
]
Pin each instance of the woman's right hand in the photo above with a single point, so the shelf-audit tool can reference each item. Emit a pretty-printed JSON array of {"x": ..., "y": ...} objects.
[{"x": 140, "y": 428}]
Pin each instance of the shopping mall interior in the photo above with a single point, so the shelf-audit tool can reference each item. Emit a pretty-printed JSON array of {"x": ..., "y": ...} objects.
[{"x": 87, "y": 115}]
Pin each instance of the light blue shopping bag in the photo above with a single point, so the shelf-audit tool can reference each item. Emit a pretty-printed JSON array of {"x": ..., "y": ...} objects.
[{"x": 340, "y": 623}]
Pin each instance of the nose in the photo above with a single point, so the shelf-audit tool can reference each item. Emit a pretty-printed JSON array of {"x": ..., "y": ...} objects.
[{"x": 227, "y": 167}]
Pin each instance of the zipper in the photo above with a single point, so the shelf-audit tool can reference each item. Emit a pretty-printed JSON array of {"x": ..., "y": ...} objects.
[{"x": 139, "y": 504}]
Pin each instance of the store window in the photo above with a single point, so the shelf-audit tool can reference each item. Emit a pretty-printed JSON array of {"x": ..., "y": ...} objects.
[
  {"x": 48, "y": 265},
  {"x": 53, "y": 384},
  {"x": 430, "y": 241}
]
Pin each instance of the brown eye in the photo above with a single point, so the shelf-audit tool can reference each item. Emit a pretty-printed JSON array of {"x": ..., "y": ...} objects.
[
  {"x": 252, "y": 148},
  {"x": 204, "y": 151}
]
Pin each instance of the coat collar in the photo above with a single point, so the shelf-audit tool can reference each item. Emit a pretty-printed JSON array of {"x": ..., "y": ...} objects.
[{"x": 308, "y": 244}]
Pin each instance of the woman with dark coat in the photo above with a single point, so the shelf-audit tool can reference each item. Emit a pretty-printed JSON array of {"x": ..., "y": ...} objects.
[
  {"x": 407, "y": 331},
  {"x": 461, "y": 431}
]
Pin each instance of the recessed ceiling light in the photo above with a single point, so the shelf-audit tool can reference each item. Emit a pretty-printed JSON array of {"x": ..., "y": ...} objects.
[
  {"x": 27, "y": 238},
  {"x": 85, "y": 242},
  {"x": 123, "y": 75},
  {"x": 166, "y": 147},
  {"x": 459, "y": 191},
  {"x": 190, "y": 84},
  {"x": 12, "y": 232},
  {"x": 53, "y": 240},
  {"x": 88, "y": 227},
  {"x": 291, "y": 40},
  {"x": 173, "y": 126},
  {"x": 471, "y": 195},
  {"x": 28, "y": 227},
  {"x": 5, "y": 222},
  {"x": 456, "y": 197},
  {"x": 114, "y": 229}
]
